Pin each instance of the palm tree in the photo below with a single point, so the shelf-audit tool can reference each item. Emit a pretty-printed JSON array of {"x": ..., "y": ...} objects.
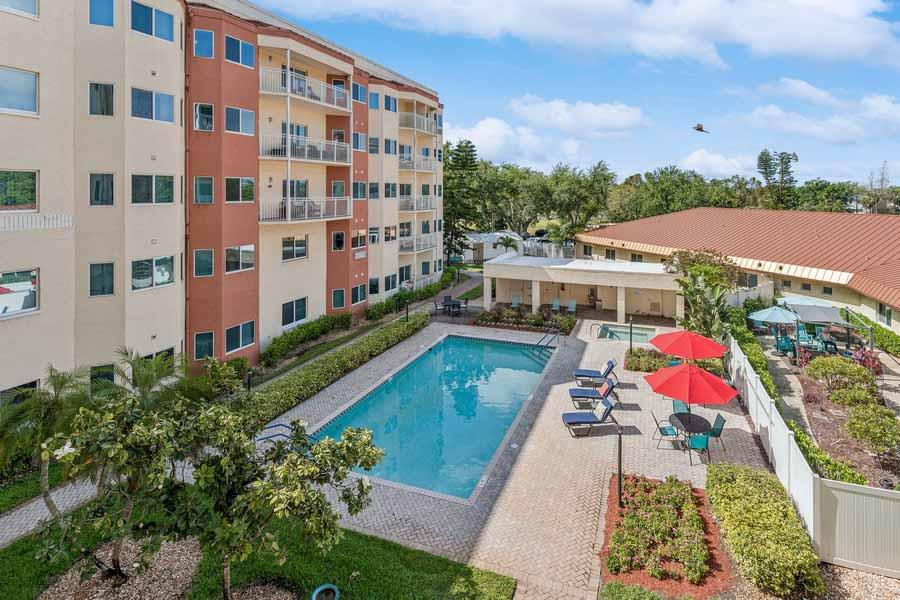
[
  {"x": 43, "y": 413},
  {"x": 508, "y": 242},
  {"x": 706, "y": 306},
  {"x": 143, "y": 378}
]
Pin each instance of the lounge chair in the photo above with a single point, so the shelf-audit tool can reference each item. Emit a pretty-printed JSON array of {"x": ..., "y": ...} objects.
[
  {"x": 804, "y": 337},
  {"x": 589, "y": 398},
  {"x": 698, "y": 443},
  {"x": 570, "y": 307},
  {"x": 585, "y": 421},
  {"x": 554, "y": 306},
  {"x": 716, "y": 431},
  {"x": 592, "y": 377},
  {"x": 665, "y": 431},
  {"x": 679, "y": 407},
  {"x": 516, "y": 301}
]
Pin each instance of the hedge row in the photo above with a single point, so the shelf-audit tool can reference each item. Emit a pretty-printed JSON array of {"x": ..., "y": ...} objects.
[
  {"x": 821, "y": 462},
  {"x": 647, "y": 360},
  {"x": 885, "y": 339},
  {"x": 755, "y": 355},
  {"x": 302, "y": 384},
  {"x": 402, "y": 298},
  {"x": 763, "y": 531},
  {"x": 290, "y": 340}
]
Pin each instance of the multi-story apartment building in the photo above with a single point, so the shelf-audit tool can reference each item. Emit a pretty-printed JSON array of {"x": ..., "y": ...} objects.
[{"x": 198, "y": 177}]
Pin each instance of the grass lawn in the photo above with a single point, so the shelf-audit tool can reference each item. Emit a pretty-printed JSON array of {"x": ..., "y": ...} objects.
[
  {"x": 473, "y": 294},
  {"x": 26, "y": 488},
  {"x": 386, "y": 571}
]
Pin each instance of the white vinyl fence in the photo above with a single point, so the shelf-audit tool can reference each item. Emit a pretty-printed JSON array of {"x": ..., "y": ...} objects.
[
  {"x": 764, "y": 290},
  {"x": 850, "y": 525}
]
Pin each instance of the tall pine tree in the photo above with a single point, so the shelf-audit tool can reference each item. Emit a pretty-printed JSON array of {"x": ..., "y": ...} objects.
[{"x": 460, "y": 171}]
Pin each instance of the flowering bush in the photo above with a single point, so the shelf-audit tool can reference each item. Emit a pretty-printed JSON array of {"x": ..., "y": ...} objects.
[{"x": 869, "y": 360}]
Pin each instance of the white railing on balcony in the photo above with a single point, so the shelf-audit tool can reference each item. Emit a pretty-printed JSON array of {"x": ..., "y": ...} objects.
[
  {"x": 412, "y": 120},
  {"x": 286, "y": 210},
  {"x": 303, "y": 148},
  {"x": 423, "y": 281},
  {"x": 411, "y": 203},
  {"x": 417, "y": 163},
  {"x": 406, "y": 244},
  {"x": 275, "y": 80},
  {"x": 426, "y": 241}
]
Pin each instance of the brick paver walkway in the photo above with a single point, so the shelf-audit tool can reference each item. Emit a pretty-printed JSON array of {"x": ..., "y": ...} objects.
[{"x": 27, "y": 517}]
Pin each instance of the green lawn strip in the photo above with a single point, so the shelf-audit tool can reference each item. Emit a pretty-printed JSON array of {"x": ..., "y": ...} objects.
[
  {"x": 386, "y": 571},
  {"x": 619, "y": 591},
  {"x": 27, "y": 487},
  {"x": 473, "y": 294}
]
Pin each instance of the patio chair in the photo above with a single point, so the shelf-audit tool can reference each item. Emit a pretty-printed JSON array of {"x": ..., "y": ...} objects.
[
  {"x": 804, "y": 336},
  {"x": 589, "y": 398},
  {"x": 716, "y": 431},
  {"x": 679, "y": 407},
  {"x": 665, "y": 431},
  {"x": 585, "y": 421},
  {"x": 784, "y": 345},
  {"x": 448, "y": 299},
  {"x": 438, "y": 307},
  {"x": 698, "y": 443},
  {"x": 570, "y": 307},
  {"x": 516, "y": 301},
  {"x": 593, "y": 377},
  {"x": 465, "y": 305},
  {"x": 554, "y": 306},
  {"x": 674, "y": 362}
]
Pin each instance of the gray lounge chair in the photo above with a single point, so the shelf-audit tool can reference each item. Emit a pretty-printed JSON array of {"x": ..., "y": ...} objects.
[{"x": 585, "y": 421}]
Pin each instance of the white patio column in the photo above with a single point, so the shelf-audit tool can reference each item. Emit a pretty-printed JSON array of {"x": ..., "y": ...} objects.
[
  {"x": 679, "y": 306},
  {"x": 488, "y": 296},
  {"x": 535, "y": 296},
  {"x": 620, "y": 304}
]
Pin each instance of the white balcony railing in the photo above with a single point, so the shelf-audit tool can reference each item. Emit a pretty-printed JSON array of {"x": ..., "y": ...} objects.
[
  {"x": 417, "y": 243},
  {"x": 303, "y": 148},
  {"x": 278, "y": 81},
  {"x": 417, "y": 163},
  {"x": 423, "y": 281},
  {"x": 413, "y": 203},
  {"x": 418, "y": 122},
  {"x": 304, "y": 209}
]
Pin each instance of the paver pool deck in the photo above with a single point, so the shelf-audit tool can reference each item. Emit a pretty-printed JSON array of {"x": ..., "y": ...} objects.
[{"x": 539, "y": 515}]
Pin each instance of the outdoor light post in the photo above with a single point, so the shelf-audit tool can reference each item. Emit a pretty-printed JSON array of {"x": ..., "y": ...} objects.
[
  {"x": 619, "y": 431},
  {"x": 630, "y": 334}
]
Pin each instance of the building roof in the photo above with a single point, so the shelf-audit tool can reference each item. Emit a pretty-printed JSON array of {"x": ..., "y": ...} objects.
[
  {"x": 861, "y": 251},
  {"x": 580, "y": 264}
]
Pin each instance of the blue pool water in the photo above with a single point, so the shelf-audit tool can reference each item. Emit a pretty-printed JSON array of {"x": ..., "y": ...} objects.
[
  {"x": 441, "y": 418},
  {"x": 642, "y": 335}
]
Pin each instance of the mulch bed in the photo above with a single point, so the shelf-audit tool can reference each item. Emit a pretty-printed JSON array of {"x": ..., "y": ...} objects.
[
  {"x": 829, "y": 428},
  {"x": 721, "y": 576}
]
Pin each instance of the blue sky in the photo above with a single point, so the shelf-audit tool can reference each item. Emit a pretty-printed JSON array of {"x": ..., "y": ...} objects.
[{"x": 623, "y": 81}]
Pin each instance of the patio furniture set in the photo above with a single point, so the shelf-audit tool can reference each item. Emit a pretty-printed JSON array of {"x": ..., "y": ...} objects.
[
  {"x": 571, "y": 306},
  {"x": 451, "y": 307}
]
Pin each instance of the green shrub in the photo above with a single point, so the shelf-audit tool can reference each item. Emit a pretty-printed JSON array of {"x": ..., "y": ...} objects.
[
  {"x": 511, "y": 316},
  {"x": 302, "y": 384},
  {"x": 821, "y": 462},
  {"x": 763, "y": 531},
  {"x": 619, "y": 591},
  {"x": 852, "y": 396},
  {"x": 751, "y": 305},
  {"x": 837, "y": 372},
  {"x": 291, "y": 340},
  {"x": 754, "y": 352},
  {"x": 241, "y": 367},
  {"x": 376, "y": 311},
  {"x": 647, "y": 360},
  {"x": 876, "y": 426},
  {"x": 885, "y": 339}
]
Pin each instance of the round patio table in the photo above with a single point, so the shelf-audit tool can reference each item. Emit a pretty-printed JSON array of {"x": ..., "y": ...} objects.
[{"x": 690, "y": 423}]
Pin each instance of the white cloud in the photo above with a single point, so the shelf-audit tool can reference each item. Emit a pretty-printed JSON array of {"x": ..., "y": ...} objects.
[
  {"x": 800, "y": 90},
  {"x": 837, "y": 129},
  {"x": 839, "y": 30},
  {"x": 882, "y": 109},
  {"x": 581, "y": 119},
  {"x": 499, "y": 141},
  {"x": 716, "y": 165}
]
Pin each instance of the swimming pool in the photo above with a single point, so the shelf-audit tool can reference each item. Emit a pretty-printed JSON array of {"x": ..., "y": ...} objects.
[
  {"x": 642, "y": 335},
  {"x": 441, "y": 418}
]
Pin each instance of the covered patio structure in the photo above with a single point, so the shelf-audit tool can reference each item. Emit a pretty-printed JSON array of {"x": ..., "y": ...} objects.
[{"x": 628, "y": 288}]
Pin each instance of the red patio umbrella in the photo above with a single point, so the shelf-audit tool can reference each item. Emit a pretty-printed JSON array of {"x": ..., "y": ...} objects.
[
  {"x": 688, "y": 344},
  {"x": 691, "y": 384}
]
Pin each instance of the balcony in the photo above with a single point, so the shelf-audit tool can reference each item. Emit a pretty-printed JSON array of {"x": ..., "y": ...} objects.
[
  {"x": 276, "y": 81},
  {"x": 417, "y": 163},
  {"x": 301, "y": 210},
  {"x": 409, "y": 120},
  {"x": 425, "y": 281},
  {"x": 411, "y": 204},
  {"x": 416, "y": 243},
  {"x": 303, "y": 148}
]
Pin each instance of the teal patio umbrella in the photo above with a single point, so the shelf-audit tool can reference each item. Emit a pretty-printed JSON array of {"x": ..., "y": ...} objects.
[{"x": 774, "y": 314}]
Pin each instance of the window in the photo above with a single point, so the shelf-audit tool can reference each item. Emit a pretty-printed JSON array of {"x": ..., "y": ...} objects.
[
  {"x": 359, "y": 239},
  {"x": 146, "y": 104},
  {"x": 337, "y": 241},
  {"x": 239, "y": 120},
  {"x": 337, "y": 189},
  {"x": 203, "y": 117},
  {"x": 637, "y": 257},
  {"x": 204, "y": 43},
  {"x": 373, "y": 285},
  {"x": 426, "y": 226},
  {"x": 152, "y": 272},
  {"x": 390, "y": 282},
  {"x": 406, "y": 229},
  {"x": 405, "y": 274},
  {"x": 440, "y": 191},
  {"x": 440, "y": 224},
  {"x": 373, "y": 190},
  {"x": 18, "y": 190},
  {"x": 152, "y": 21},
  {"x": 374, "y": 145},
  {"x": 885, "y": 314},
  {"x": 360, "y": 141},
  {"x": 425, "y": 188},
  {"x": 390, "y": 234},
  {"x": 203, "y": 345},
  {"x": 359, "y": 190},
  {"x": 439, "y": 265},
  {"x": 18, "y": 90},
  {"x": 390, "y": 146},
  {"x": 426, "y": 267},
  {"x": 293, "y": 312},
  {"x": 102, "y": 375},
  {"x": 374, "y": 101},
  {"x": 152, "y": 189},
  {"x": 240, "y": 189},
  {"x": 358, "y": 293},
  {"x": 390, "y": 190},
  {"x": 101, "y": 99},
  {"x": 806, "y": 287},
  {"x": 102, "y": 278},
  {"x": 337, "y": 298},
  {"x": 405, "y": 190},
  {"x": 587, "y": 250},
  {"x": 23, "y": 294},
  {"x": 337, "y": 135},
  {"x": 203, "y": 190},
  {"x": 827, "y": 291},
  {"x": 240, "y": 52},
  {"x": 240, "y": 336},
  {"x": 786, "y": 283},
  {"x": 17, "y": 394},
  {"x": 390, "y": 103},
  {"x": 440, "y": 154},
  {"x": 101, "y": 193},
  {"x": 610, "y": 253},
  {"x": 203, "y": 263},
  {"x": 373, "y": 235},
  {"x": 359, "y": 93},
  {"x": 25, "y": 7},
  {"x": 294, "y": 247},
  {"x": 240, "y": 258}
]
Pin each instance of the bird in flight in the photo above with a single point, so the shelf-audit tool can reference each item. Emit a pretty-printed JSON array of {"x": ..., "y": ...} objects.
[{"x": 699, "y": 127}]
